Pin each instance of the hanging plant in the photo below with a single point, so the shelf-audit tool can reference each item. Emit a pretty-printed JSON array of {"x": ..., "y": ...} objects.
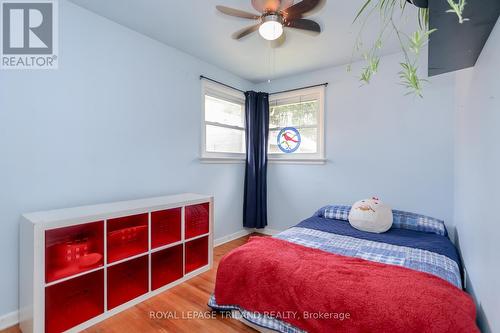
[{"x": 390, "y": 12}]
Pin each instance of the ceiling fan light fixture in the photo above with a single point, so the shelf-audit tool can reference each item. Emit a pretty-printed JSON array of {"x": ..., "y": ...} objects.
[{"x": 271, "y": 27}]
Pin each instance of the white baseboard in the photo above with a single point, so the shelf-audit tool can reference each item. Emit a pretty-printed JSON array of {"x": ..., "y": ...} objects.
[
  {"x": 244, "y": 232},
  {"x": 9, "y": 319},
  {"x": 267, "y": 231},
  {"x": 231, "y": 237}
]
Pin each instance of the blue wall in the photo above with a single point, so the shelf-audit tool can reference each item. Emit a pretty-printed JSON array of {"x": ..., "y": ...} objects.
[
  {"x": 378, "y": 143},
  {"x": 477, "y": 179},
  {"x": 120, "y": 119}
]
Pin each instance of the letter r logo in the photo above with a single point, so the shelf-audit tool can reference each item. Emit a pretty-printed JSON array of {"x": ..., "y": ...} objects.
[{"x": 27, "y": 28}]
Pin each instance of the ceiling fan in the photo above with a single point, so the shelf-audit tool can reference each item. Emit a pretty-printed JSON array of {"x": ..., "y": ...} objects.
[{"x": 274, "y": 16}]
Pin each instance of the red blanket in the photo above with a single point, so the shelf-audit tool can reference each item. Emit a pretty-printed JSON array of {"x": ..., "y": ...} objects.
[{"x": 323, "y": 292}]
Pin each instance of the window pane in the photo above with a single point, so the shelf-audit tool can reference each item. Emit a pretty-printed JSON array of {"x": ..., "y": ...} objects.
[
  {"x": 273, "y": 143},
  {"x": 223, "y": 112},
  {"x": 295, "y": 114},
  {"x": 308, "y": 143},
  {"x": 297, "y": 98},
  {"x": 300, "y": 112},
  {"x": 224, "y": 140}
]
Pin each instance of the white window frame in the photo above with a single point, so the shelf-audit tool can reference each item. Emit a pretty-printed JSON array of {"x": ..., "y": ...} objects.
[
  {"x": 306, "y": 158},
  {"x": 231, "y": 95}
]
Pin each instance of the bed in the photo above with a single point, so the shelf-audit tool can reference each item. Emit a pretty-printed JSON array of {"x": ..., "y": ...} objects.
[{"x": 322, "y": 275}]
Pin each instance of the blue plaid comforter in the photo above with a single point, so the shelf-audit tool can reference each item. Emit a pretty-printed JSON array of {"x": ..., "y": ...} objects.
[
  {"x": 434, "y": 255},
  {"x": 409, "y": 257}
]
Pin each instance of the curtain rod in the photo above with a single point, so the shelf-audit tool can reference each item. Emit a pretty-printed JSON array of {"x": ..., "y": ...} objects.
[
  {"x": 289, "y": 90},
  {"x": 223, "y": 84},
  {"x": 274, "y": 93}
]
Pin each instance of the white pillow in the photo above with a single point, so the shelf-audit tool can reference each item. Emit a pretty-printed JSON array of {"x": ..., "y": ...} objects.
[{"x": 371, "y": 215}]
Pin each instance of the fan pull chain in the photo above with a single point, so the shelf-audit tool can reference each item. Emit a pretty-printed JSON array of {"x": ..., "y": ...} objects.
[{"x": 271, "y": 63}]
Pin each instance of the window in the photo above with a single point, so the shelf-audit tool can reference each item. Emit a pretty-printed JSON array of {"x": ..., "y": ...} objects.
[
  {"x": 296, "y": 125},
  {"x": 223, "y": 134}
]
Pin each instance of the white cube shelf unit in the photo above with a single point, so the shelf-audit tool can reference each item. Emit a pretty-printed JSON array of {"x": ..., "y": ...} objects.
[{"x": 79, "y": 266}]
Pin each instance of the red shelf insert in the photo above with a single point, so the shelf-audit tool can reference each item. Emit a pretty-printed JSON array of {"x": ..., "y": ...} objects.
[
  {"x": 127, "y": 281},
  {"x": 196, "y": 254},
  {"x": 127, "y": 236},
  {"x": 72, "y": 250},
  {"x": 165, "y": 227},
  {"x": 166, "y": 266},
  {"x": 73, "y": 302},
  {"x": 197, "y": 220}
]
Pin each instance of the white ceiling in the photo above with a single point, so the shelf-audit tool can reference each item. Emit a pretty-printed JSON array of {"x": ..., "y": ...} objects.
[{"x": 197, "y": 28}]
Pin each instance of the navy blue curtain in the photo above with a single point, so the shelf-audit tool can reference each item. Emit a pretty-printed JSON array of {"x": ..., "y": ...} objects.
[{"x": 257, "y": 129}]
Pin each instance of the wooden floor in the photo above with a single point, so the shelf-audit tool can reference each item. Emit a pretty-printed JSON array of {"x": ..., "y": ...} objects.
[{"x": 183, "y": 300}]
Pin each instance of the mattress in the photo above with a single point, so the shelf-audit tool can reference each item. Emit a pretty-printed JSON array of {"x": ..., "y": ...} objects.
[{"x": 426, "y": 252}]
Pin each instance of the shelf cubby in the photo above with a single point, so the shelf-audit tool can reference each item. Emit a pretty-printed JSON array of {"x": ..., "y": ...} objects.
[
  {"x": 196, "y": 254},
  {"x": 165, "y": 227},
  {"x": 166, "y": 266},
  {"x": 82, "y": 265},
  {"x": 197, "y": 219},
  {"x": 127, "y": 236},
  {"x": 127, "y": 280},
  {"x": 74, "y": 301},
  {"x": 73, "y": 250}
]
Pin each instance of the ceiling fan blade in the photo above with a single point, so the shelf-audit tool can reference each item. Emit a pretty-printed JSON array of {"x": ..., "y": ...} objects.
[
  {"x": 264, "y": 6},
  {"x": 304, "y": 24},
  {"x": 319, "y": 6},
  {"x": 300, "y": 8},
  {"x": 259, "y": 5},
  {"x": 245, "y": 31},
  {"x": 237, "y": 13},
  {"x": 286, "y": 4}
]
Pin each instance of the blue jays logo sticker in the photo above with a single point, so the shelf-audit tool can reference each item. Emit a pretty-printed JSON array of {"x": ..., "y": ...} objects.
[{"x": 289, "y": 140}]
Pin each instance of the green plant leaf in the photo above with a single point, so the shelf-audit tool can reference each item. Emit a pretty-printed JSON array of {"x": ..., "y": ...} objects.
[
  {"x": 458, "y": 9},
  {"x": 411, "y": 45},
  {"x": 362, "y": 10},
  {"x": 373, "y": 64},
  {"x": 370, "y": 70},
  {"x": 366, "y": 76},
  {"x": 418, "y": 39},
  {"x": 409, "y": 79},
  {"x": 423, "y": 18}
]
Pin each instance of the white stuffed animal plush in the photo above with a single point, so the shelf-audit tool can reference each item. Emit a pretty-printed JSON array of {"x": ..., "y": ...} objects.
[{"x": 371, "y": 215}]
